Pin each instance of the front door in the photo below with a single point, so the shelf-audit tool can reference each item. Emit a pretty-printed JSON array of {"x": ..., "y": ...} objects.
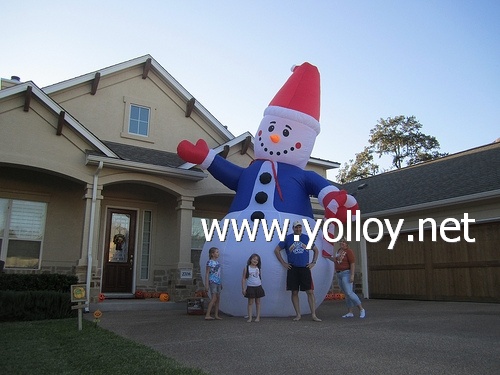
[{"x": 118, "y": 270}]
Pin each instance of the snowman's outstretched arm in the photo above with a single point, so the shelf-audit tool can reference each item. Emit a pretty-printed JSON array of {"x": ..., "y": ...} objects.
[
  {"x": 222, "y": 169},
  {"x": 197, "y": 154},
  {"x": 337, "y": 202}
]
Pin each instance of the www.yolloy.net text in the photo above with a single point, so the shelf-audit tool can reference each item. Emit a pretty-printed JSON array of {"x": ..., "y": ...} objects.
[{"x": 242, "y": 227}]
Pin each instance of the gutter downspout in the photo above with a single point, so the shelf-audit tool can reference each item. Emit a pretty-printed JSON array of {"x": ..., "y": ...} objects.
[{"x": 91, "y": 232}]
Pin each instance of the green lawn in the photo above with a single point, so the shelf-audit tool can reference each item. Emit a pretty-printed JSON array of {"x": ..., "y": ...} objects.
[{"x": 58, "y": 347}]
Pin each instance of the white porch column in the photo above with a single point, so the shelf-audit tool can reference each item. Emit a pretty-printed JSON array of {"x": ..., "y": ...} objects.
[
  {"x": 185, "y": 210},
  {"x": 364, "y": 269},
  {"x": 88, "y": 222},
  {"x": 90, "y": 241}
]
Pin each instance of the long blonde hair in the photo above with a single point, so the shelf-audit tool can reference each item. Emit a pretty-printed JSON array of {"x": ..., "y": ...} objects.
[{"x": 211, "y": 252}]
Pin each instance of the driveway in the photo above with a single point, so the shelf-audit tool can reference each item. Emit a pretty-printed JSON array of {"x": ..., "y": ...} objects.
[{"x": 396, "y": 337}]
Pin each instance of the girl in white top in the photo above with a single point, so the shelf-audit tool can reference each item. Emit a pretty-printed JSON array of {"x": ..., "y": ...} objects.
[{"x": 251, "y": 284}]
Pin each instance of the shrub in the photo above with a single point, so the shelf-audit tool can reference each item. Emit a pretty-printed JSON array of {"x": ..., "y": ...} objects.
[
  {"x": 30, "y": 282},
  {"x": 35, "y": 296},
  {"x": 35, "y": 305}
]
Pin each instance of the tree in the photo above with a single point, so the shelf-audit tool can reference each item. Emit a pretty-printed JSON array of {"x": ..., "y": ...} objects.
[
  {"x": 362, "y": 167},
  {"x": 401, "y": 139}
]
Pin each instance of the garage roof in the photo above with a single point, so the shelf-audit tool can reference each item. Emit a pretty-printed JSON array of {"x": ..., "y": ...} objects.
[{"x": 467, "y": 175}]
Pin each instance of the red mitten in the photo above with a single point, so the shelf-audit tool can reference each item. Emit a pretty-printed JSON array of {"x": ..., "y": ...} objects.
[
  {"x": 337, "y": 203},
  {"x": 333, "y": 201},
  {"x": 191, "y": 153}
]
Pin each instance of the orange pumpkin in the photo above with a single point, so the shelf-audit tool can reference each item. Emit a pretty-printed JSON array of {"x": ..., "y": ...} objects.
[
  {"x": 97, "y": 314},
  {"x": 164, "y": 297},
  {"x": 139, "y": 294},
  {"x": 102, "y": 297}
]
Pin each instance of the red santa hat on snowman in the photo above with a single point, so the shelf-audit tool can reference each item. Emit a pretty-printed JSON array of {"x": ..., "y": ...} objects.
[{"x": 299, "y": 98}]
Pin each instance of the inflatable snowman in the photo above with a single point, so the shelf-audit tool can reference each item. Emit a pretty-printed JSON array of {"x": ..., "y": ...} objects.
[{"x": 274, "y": 187}]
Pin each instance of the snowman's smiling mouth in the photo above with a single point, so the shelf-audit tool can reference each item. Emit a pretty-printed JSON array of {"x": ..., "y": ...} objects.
[{"x": 271, "y": 152}]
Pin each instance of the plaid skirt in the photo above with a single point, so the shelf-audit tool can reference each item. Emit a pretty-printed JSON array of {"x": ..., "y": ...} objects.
[{"x": 255, "y": 292}]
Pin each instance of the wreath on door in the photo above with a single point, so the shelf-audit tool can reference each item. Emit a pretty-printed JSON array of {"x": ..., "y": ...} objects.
[{"x": 118, "y": 240}]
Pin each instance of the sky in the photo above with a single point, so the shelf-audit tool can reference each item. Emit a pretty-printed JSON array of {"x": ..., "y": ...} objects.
[{"x": 437, "y": 60}]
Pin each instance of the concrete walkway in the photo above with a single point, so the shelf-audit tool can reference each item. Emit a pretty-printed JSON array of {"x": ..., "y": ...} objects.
[{"x": 396, "y": 337}]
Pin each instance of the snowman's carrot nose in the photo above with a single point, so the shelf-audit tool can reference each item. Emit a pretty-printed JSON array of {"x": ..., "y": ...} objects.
[{"x": 275, "y": 138}]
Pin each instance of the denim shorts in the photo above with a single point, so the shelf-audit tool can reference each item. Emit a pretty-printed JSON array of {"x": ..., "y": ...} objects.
[{"x": 214, "y": 288}]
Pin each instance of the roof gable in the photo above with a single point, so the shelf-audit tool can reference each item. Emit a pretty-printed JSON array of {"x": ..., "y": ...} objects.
[
  {"x": 148, "y": 64},
  {"x": 30, "y": 90}
]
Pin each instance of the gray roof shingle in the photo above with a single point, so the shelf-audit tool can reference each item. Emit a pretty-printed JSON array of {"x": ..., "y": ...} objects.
[
  {"x": 145, "y": 155},
  {"x": 461, "y": 174}
]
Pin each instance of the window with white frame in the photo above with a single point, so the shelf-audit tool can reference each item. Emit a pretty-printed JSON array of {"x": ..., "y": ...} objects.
[
  {"x": 22, "y": 226},
  {"x": 139, "y": 120}
]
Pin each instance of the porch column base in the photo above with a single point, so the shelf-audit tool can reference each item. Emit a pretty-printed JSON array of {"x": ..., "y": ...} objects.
[{"x": 181, "y": 284}]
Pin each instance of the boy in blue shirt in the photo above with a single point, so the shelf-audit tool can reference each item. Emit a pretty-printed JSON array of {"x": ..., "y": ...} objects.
[{"x": 298, "y": 268}]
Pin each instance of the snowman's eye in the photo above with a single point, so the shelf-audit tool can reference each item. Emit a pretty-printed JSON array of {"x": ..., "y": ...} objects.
[
  {"x": 286, "y": 132},
  {"x": 271, "y": 128}
]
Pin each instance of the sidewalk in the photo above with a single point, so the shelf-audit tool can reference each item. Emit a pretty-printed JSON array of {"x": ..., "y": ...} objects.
[{"x": 396, "y": 337}]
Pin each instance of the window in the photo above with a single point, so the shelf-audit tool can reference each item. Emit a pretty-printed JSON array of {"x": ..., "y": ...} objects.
[
  {"x": 146, "y": 244},
  {"x": 22, "y": 225},
  {"x": 139, "y": 120},
  {"x": 197, "y": 233}
]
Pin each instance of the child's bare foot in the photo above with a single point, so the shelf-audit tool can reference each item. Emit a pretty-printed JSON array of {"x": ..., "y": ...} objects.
[
  {"x": 209, "y": 318},
  {"x": 257, "y": 319},
  {"x": 297, "y": 318},
  {"x": 218, "y": 318},
  {"x": 316, "y": 319},
  {"x": 250, "y": 320}
]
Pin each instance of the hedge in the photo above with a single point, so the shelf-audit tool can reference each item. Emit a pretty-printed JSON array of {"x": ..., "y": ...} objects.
[
  {"x": 35, "y": 296},
  {"x": 43, "y": 281}
]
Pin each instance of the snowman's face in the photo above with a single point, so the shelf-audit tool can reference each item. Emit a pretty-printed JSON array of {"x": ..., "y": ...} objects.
[{"x": 283, "y": 140}]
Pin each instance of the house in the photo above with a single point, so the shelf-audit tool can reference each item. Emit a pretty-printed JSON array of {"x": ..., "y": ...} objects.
[
  {"x": 435, "y": 202},
  {"x": 90, "y": 182},
  {"x": 91, "y": 185}
]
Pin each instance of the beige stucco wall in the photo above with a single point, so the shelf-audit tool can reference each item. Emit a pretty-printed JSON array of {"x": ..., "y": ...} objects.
[
  {"x": 105, "y": 112},
  {"x": 65, "y": 211},
  {"x": 29, "y": 138}
]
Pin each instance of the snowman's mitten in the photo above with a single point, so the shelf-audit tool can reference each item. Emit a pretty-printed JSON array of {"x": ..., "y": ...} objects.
[
  {"x": 337, "y": 202},
  {"x": 198, "y": 154}
]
